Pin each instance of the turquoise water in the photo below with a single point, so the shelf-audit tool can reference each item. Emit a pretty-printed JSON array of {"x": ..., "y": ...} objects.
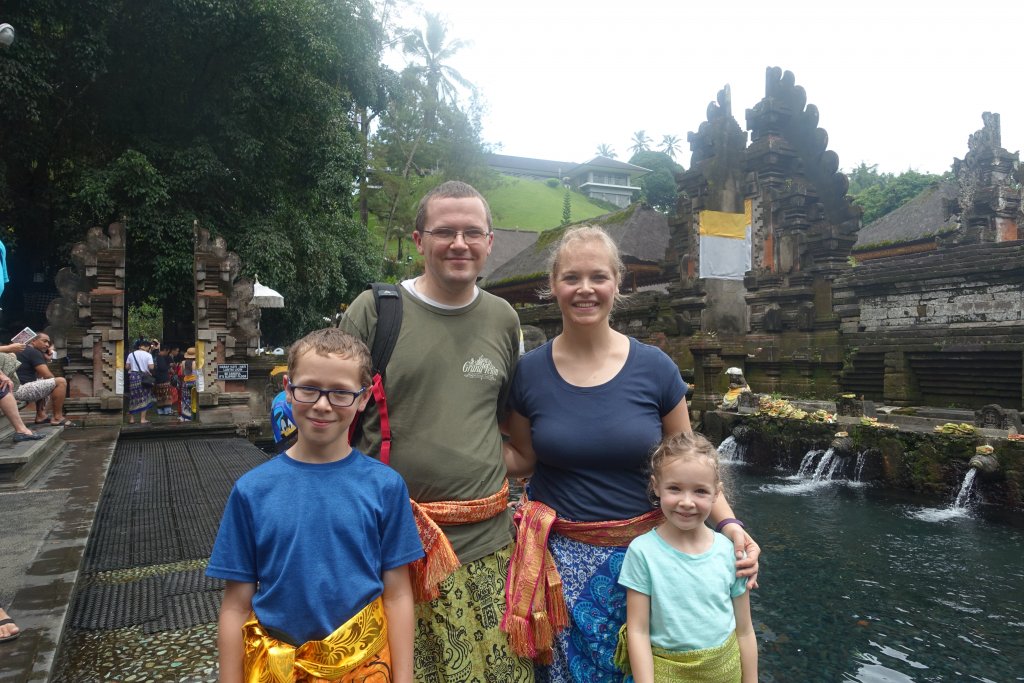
[{"x": 860, "y": 584}]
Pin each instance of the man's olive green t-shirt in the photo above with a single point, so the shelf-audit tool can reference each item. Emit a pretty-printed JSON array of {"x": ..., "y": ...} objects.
[{"x": 445, "y": 384}]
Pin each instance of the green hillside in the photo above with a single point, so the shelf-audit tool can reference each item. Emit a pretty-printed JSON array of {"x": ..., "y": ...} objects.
[{"x": 533, "y": 205}]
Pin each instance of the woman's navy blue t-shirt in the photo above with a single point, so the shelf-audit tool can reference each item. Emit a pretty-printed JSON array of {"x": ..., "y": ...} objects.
[{"x": 593, "y": 443}]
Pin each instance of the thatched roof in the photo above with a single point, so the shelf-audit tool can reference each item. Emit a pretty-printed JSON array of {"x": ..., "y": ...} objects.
[
  {"x": 922, "y": 217},
  {"x": 507, "y": 243},
  {"x": 640, "y": 232}
]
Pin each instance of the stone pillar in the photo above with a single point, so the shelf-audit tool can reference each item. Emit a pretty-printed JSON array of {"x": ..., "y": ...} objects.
[
  {"x": 707, "y": 369},
  {"x": 899, "y": 386}
]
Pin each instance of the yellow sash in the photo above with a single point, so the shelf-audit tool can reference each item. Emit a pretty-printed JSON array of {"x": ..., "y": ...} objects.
[
  {"x": 719, "y": 664},
  {"x": 357, "y": 650}
]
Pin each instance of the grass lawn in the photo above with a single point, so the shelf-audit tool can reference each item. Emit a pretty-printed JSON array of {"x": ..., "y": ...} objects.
[
  {"x": 532, "y": 205},
  {"x": 515, "y": 203}
]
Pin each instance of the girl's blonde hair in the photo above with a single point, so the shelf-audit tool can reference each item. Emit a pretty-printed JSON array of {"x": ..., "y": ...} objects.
[
  {"x": 585, "y": 234},
  {"x": 691, "y": 447}
]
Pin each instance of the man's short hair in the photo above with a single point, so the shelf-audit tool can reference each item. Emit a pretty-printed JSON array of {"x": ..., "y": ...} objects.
[
  {"x": 332, "y": 340},
  {"x": 450, "y": 189}
]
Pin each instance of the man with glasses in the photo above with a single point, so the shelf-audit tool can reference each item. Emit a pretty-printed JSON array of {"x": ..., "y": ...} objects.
[
  {"x": 38, "y": 383},
  {"x": 445, "y": 385}
]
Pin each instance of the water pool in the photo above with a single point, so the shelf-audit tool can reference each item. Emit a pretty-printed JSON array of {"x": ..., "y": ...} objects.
[{"x": 860, "y": 584}]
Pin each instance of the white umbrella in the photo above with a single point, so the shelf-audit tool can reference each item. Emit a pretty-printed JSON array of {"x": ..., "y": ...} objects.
[{"x": 265, "y": 297}]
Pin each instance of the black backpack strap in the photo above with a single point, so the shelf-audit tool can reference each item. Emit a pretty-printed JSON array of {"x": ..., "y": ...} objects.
[{"x": 388, "y": 303}]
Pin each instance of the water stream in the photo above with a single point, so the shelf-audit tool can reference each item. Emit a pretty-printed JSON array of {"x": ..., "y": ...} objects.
[
  {"x": 731, "y": 451},
  {"x": 856, "y": 586}
]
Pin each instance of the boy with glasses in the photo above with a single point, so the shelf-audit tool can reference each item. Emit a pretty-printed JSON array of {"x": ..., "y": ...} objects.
[
  {"x": 37, "y": 382},
  {"x": 315, "y": 543}
]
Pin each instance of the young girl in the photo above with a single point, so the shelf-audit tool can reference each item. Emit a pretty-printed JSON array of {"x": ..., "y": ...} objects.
[{"x": 687, "y": 614}]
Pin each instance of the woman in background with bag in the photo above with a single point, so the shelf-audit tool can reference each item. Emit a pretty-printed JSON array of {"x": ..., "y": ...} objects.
[{"x": 140, "y": 382}]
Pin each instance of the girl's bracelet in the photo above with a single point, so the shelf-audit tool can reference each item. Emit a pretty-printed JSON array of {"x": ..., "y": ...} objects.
[{"x": 729, "y": 520}]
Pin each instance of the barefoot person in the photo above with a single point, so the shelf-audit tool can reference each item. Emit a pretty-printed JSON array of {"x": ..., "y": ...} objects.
[{"x": 587, "y": 408}]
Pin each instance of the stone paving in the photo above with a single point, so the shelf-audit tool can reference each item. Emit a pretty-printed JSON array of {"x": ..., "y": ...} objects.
[{"x": 134, "y": 604}]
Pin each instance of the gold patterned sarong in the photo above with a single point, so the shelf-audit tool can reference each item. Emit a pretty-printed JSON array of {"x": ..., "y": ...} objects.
[
  {"x": 439, "y": 560},
  {"x": 357, "y": 651},
  {"x": 719, "y": 664},
  {"x": 535, "y": 607}
]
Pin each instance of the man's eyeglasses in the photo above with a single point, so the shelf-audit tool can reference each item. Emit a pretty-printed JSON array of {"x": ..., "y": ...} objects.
[
  {"x": 339, "y": 398},
  {"x": 471, "y": 236}
]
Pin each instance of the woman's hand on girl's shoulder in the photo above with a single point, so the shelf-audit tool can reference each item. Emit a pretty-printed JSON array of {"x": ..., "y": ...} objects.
[{"x": 748, "y": 553}]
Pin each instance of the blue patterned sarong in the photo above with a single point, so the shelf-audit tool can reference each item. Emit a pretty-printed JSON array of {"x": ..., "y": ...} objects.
[{"x": 584, "y": 652}]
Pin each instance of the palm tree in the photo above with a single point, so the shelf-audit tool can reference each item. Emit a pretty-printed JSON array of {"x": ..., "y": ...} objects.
[
  {"x": 433, "y": 50},
  {"x": 606, "y": 151},
  {"x": 640, "y": 141},
  {"x": 670, "y": 145}
]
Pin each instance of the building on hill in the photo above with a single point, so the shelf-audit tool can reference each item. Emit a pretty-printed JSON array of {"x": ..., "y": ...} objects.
[
  {"x": 640, "y": 232},
  {"x": 600, "y": 178}
]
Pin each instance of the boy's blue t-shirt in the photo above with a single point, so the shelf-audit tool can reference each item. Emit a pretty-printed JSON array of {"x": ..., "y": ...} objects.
[
  {"x": 316, "y": 538},
  {"x": 593, "y": 444}
]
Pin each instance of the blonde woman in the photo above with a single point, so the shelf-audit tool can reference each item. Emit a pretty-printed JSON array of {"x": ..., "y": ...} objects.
[{"x": 587, "y": 409}]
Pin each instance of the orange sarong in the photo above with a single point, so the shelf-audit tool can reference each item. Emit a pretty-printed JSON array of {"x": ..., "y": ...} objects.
[
  {"x": 534, "y": 603},
  {"x": 439, "y": 560},
  {"x": 356, "y": 651}
]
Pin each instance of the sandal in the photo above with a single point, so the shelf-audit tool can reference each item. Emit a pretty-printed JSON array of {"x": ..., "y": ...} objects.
[
  {"x": 66, "y": 422},
  {"x": 4, "y": 622},
  {"x": 45, "y": 421},
  {"x": 18, "y": 438}
]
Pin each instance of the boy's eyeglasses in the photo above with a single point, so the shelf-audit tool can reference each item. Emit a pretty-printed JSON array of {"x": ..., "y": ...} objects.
[
  {"x": 471, "y": 236},
  {"x": 339, "y": 398}
]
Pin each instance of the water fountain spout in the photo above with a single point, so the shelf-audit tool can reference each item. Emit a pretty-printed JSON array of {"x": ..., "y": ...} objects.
[{"x": 985, "y": 463}]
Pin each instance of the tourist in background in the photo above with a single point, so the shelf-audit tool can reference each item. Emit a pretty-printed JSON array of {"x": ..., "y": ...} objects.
[
  {"x": 587, "y": 409},
  {"x": 188, "y": 380},
  {"x": 162, "y": 390},
  {"x": 37, "y": 382},
  {"x": 687, "y": 613},
  {"x": 140, "y": 382}
]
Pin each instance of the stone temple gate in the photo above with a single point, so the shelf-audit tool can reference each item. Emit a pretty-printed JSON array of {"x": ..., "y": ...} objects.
[
  {"x": 924, "y": 307},
  {"x": 87, "y": 323}
]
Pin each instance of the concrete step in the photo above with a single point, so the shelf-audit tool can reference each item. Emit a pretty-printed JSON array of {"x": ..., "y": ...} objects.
[{"x": 21, "y": 462}]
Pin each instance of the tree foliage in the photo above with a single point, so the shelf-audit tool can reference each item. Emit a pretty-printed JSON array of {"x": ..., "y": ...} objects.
[
  {"x": 880, "y": 193},
  {"x": 567, "y": 207},
  {"x": 604, "y": 150},
  {"x": 238, "y": 114},
  {"x": 641, "y": 142},
  {"x": 670, "y": 145},
  {"x": 659, "y": 189},
  {"x": 424, "y": 135}
]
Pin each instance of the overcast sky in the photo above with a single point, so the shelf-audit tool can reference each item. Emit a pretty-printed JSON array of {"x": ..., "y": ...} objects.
[{"x": 900, "y": 83}]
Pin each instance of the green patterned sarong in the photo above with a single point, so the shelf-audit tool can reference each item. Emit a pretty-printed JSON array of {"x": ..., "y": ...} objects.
[
  {"x": 458, "y": 634},
  {"x": 719, "y": 664}
]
